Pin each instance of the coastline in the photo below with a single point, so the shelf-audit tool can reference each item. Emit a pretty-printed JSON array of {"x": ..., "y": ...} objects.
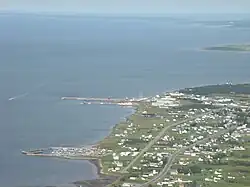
[
  {"x": 103, "y": 179},
  {"x": 106, "y": 179},
  {"x": 126, "y": 118}
]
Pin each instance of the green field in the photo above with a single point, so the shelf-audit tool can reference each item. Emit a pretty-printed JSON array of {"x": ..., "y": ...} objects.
[{"x": 130, "y": 134}]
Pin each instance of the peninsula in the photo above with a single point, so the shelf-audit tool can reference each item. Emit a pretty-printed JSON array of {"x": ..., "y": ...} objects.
[
  {"x": 191, "y": 137},
  {"x": 231, "y": 47}
]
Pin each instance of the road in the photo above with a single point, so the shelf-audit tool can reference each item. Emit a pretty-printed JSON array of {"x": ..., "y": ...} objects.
[
  {"x": 152, "y": 142},
  {"x": 171, "y": 159}
]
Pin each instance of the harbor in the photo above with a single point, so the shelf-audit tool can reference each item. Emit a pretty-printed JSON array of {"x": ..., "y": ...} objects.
[
  {"x": 88, "y": 152},
  {"x": 153, "y": 145}
]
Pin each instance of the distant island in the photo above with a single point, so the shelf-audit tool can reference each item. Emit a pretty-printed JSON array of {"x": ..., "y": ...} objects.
[{"x": 231, "y": 47}]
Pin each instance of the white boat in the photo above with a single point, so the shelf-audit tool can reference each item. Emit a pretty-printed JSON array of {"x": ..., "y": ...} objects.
[{"x": 126, "y": 104}]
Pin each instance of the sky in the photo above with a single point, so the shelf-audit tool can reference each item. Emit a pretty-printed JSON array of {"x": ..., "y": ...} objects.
[{"x": 128, "y": 6}]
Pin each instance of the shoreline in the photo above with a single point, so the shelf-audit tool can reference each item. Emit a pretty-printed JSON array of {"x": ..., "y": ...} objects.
[
  {"x": 96, "y": 162},
  {"x": 104, "y": 179},
  {"x": 112, "y": 127}
]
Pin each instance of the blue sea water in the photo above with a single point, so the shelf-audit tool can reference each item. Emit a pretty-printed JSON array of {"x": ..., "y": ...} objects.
[{"x": 43, "y": 58}]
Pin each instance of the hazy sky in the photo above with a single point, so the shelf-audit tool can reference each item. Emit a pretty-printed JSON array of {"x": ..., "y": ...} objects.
[{"x": 128, "y": 6}]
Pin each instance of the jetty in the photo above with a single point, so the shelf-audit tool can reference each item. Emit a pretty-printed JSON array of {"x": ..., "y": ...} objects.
[
  {"x": 94, "y": 99},
  {"x": 89, "y": 152},
  {"x": 119, "y": 101}
]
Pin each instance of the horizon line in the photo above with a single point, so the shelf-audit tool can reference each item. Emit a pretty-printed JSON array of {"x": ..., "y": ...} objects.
[{"x": 69, "y": 13}]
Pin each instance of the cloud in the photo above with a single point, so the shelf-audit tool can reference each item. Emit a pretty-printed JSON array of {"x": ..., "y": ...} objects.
[{"x": 129, "y": 6}]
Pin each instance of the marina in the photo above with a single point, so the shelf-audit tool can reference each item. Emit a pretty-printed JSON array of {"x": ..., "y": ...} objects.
[{"x": 91, "y": 152}]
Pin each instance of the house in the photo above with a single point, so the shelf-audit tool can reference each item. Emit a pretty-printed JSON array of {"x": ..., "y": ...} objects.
[
  {"x": 127, "y": 185},
  {"x": 173, "y": 172},
  {"x": 116, "y": 157}
]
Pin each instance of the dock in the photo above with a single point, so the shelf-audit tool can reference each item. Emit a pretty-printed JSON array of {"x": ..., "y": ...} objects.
[
  {"x": 126, "y": 102},
  {"x": 89, "y": 99}
]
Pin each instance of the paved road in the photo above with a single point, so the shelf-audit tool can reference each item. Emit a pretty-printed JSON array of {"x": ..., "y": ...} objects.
[
  {"x": 152, "y": 142},
  {"x": 173, "y": 156}
]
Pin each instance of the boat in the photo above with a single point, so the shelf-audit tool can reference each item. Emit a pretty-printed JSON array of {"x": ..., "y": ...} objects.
[
  {"x": 125, "y": 104},
  {"x": 24, "y": 152}
]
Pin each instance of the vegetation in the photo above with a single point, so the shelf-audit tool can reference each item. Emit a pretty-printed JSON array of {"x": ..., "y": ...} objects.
[
  {"x": 218, "y": 89},
  {"x": 192, "y": 120},
  {"x": 236, "y": 48}
]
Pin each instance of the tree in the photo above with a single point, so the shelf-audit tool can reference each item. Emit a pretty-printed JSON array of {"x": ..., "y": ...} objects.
[
  {"x": 195, "y": 169},
  {"x": 194, "y": 183},
  {"x": 176, "y": 185}
]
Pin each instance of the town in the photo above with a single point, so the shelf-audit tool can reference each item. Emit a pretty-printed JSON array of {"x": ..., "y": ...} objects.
[{"x": 187, "y": 138}]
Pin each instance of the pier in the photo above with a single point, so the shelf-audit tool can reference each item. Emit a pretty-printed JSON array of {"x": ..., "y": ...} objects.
[
  {"x": 89, "y": 99},
  {"x": 90, "y": 152},
  {"x": 110, "y": 101}
]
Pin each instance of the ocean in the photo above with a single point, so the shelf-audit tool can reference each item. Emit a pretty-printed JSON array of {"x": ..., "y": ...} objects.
[{"x": 44, "y": 58}]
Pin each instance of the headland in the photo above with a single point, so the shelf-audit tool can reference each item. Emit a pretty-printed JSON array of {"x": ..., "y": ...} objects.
[
  {"x": 230, "y": 48},
  {"x": 193, "y": 136}
]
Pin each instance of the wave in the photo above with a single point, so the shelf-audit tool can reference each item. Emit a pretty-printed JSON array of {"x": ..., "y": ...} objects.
[
  {"x": 19, "y": 96},
  {"x": 26, "y": 93}
]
